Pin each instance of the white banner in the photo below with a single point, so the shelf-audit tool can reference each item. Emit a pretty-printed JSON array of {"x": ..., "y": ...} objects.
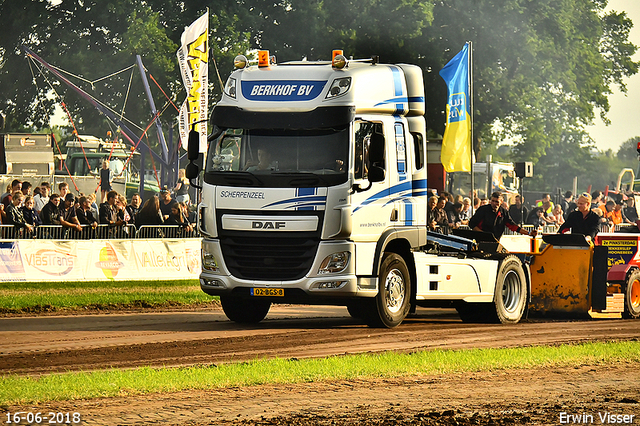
[
  {"x": 98, "y": 260},
  {"x": 193, "y": 58}
]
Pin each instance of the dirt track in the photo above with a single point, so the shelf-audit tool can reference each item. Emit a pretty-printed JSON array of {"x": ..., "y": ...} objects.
[{"x": 60, "y": 343}]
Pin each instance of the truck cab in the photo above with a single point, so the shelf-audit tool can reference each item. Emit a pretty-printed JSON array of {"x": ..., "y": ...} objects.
[{"x": 314, "y": 191}]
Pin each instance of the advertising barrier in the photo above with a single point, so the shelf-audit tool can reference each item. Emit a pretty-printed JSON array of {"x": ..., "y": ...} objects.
[{"x": 98, "y": 260}]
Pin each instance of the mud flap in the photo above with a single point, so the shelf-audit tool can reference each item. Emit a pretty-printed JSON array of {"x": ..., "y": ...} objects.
[{"x": 599, "y": 278}]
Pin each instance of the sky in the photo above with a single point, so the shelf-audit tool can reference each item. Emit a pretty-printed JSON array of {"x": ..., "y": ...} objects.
[{"x": 623, "y": 112}]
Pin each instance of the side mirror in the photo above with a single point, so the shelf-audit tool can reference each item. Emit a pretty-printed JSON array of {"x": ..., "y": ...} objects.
[
  {"x": 191, "y": 171},
  {"x": 193, "y": 146},
  {"x": 376, "y": 174}
]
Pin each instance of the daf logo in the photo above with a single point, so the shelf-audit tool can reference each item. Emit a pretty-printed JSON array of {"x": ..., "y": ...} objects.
[{"x": 267, "y": 225}]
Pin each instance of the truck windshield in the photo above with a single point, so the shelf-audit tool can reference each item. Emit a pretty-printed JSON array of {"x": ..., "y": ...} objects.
[{"x": 279, "y": 157}]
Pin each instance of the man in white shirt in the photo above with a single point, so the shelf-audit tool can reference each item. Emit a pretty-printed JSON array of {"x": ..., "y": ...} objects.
[{"x": 41, "y": 199}]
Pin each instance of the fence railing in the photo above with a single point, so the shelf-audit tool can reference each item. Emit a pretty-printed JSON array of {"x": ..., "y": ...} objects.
[{"x": 59, "y": 232}]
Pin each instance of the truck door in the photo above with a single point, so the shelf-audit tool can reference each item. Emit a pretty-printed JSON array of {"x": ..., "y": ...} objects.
[{"x": 370, "y": 201}]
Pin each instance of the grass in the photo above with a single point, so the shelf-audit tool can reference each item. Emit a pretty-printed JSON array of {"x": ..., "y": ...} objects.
[
  {"x": 111, "y": 383},
  {"x": 16, "y": 297}
]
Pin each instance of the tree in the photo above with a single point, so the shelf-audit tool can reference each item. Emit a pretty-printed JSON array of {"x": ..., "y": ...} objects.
[
  {"x": 628, "y": 152},
  {"x": 541, "y": 68}
]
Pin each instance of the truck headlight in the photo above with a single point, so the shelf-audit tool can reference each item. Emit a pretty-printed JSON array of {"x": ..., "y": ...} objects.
[
  {"x": 339, "y": 87},
  {"x": 230, "y": 87},
  {"x": 209, "y": 261},
  {"x": 336, "y": 262}
]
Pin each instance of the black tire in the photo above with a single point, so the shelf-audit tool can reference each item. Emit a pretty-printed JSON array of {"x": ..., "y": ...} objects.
[
  {"x": 391, "y": 306},
  {"x": 632, "y": 296},
  {"x": 244, "y": 310},
  {"x": 510, "y": 296}
]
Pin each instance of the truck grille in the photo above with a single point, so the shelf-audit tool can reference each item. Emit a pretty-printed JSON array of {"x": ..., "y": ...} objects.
[{"x": 270, "y": 258}]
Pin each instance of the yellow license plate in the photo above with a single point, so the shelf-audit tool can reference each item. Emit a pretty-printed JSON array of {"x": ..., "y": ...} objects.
[{"x": 267, "y": 292}]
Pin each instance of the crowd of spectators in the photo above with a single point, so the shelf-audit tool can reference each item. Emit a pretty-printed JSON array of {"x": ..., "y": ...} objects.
[
  {"x": 446, "y": 212},
  {"x": 26, "y": 207}
]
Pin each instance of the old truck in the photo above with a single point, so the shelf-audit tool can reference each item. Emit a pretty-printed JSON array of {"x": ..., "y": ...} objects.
[
  {"x": 83, "y": 160},
  {"x": 314, "y": 191}
]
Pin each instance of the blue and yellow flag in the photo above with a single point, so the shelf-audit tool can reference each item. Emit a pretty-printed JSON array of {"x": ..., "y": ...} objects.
[{"x": 456, "y": 143}]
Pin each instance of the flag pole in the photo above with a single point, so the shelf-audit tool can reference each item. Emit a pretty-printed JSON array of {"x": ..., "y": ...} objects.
[{"x": 471, "y": 119}]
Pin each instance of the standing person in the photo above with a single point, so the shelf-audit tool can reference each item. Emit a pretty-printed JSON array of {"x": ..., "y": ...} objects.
[
  {"x": 558, "y": 214},
  {"x": 26, "y": 188},
  {"x": 567, "y": 203},
  {"x": 134, "y": 207},
  {"x": 123, "y": 213},
  {"x": 465, "y": 214},
  {"x": 166, "y": 202},
  {"x": 29, "y": 212},
  {"x": 431, "y": 212},
  {"x": 596, "y": 200},
  {"x": 50, "y": 213},
  {"x": 63, "y": 190},
  {"x": 630, "y": 211},
  {"x": 14, "y": 213},
  {"x": 546, "y": 204},
  {"x": 84, "y": 214},
  {"x": 518, "y": 211},
  {"x": 7, "y": 198},
  {"x": 181, "y": 189},
  {"x": 582, "y": 221},
  {"x": 94, "y": 206},
  {"x": 43, "y": 197},
  {"x": 494, "y": 218},
  {"x": 108, "y": 214},
  {"x": 150, "y": 213},
  {"x": 106, "y": 177},
  {"x": 177, "y": 217},
  {"x": 440, "y": 215},
  {"x": 68, "y": 217}
]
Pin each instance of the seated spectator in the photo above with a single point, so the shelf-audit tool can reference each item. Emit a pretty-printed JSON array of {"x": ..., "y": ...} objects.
[
  {"x": 29, "y": 213},
  {"x": 630, "y": 211},
  {"x": 14, "y": 213},
  {"x": 68, "y": 217},
  {"x": 150, "y": 213},
  {"x": 50, "y": 213},
  {"x": 84, "y": 214},
  {"x": 558, "y": 214},
  {"x": 108, "y": 214}
]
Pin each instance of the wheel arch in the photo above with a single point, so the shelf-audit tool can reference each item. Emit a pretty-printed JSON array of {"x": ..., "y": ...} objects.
[{"x": 399, "y": 242}]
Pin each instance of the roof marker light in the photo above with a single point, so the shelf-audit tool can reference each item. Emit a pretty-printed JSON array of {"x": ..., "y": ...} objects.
[
  {"x": 263, "y": 58},
  {"x": 240, "y": 62},
  {"x": 338, "y": 61}
]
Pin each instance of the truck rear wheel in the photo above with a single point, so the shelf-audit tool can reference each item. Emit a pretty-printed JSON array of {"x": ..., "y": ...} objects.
[
  {"x": 632, "y": 296},
  {"x": 393, "y": 301},
  {"x": 243, "y": 310},
  {"x": 510, "y": 296}
]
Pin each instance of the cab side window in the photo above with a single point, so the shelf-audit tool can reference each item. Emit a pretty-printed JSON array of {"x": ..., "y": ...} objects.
[{"x": 366, "y": 153}]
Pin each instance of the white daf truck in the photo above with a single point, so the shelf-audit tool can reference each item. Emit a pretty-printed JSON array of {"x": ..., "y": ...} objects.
[{"x": 314, "y": 191}]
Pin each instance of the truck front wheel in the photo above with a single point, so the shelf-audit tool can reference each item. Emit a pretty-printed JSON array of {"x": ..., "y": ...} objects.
[
  {"x": 243, "y": 310},
  {"x": 393, "y": 301},
  {"x": 632, "y": 296},
  {"x": 510, "y": 296}
]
